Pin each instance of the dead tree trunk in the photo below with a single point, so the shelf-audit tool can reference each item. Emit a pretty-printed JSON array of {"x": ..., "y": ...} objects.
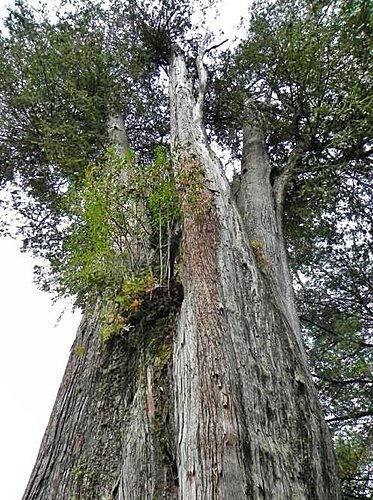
[{"x": 209, "y": 396}]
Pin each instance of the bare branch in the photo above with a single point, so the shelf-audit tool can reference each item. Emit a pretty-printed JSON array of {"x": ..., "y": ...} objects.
[
  {"x": 351, "y": 416},
  {"x": 202, "y": 81},
  {"x": 216, "y": 46}
]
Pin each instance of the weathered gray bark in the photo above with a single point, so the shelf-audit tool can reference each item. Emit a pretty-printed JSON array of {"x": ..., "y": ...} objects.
[
  {"x": 102, "y": 426},
  {"x": 212, "y": 399},
  {"x": 117, "y": 133},
  {"x": 247, "y": 417}
]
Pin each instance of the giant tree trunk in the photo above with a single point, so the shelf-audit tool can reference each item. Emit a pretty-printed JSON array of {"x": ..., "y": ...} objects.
[{"x": 209, "y": 396}]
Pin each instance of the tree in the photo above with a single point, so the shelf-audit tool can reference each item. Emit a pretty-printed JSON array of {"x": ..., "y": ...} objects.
[{"x": 200, "y": 387}]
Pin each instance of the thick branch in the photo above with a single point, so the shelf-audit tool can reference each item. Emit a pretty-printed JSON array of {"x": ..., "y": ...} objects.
[
  {"x": 281, "y": 181},
  {"x": 257, "y": 206},
  {"x": 187, "y": 130}
]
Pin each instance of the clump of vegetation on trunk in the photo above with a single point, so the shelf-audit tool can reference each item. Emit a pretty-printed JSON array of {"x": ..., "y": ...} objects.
[
  {"x": 195, "y": 198},
  {"x": 124, "y": 222}
]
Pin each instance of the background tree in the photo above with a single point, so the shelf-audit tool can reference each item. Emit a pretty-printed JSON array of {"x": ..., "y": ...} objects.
[{"x": 302, "y": 79}]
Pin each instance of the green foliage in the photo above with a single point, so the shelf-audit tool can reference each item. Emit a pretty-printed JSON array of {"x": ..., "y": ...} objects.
[
  {"x": 300, "y": 64},
  {"x": 163, "y": 202},
  {"x": 55, "y": 91},
  {"x": 60, "y": 81},
  {"x": 126, "y": 303},
  {"x": 354, "y": 454},
  {"x": 159, "y": 24},
  {"x": 115, "y": 211}
]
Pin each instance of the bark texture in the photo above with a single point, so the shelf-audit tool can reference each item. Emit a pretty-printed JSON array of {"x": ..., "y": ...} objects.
[
  {"x": 209, "y": 396},
  {"x": 110, "y": 432},
  {"x": 247, "y": 417},
  {"x": 117, "y": 133}
]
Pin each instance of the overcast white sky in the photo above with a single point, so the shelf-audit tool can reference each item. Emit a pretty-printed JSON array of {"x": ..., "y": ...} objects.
[
  {"x": 34, "y": 351},
  {"x": 33, "y": 356}
]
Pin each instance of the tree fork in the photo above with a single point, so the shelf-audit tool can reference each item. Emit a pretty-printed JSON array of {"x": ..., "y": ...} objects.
[
  {"x": 217, "y": 403},
  {"x": 248, "y": 420}
]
